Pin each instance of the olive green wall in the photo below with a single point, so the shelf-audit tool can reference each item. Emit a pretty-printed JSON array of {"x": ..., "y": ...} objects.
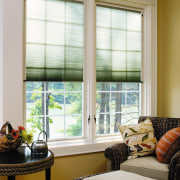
[
  {"x": 168, "y": 94},
  {"x": 168, "y": 58}
]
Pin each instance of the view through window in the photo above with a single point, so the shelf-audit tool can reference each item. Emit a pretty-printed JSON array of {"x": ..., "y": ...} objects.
[
  {"x": 116, "y": 103},
  {"x": 55, "y": 107}
]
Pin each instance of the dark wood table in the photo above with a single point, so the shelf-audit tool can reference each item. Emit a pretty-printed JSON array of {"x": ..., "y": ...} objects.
[{"x": 20, "y": 162}]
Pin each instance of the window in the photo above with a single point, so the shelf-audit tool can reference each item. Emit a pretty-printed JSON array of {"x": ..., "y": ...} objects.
[
  {"x": 116, "y": 103},
  {"x": 118, "y": 59},
  {"x": 55, "y": 48},
  {"x": 12, "y": 99},
  {"x": 58, "y": 96},
  {"x": 54, "y": 52}
]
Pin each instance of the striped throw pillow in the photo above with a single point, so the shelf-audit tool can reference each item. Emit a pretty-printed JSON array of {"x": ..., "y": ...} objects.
[{"x": 168, "y": 145}]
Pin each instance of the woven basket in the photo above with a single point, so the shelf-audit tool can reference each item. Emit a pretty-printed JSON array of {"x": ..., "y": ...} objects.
[{"x": 5, "y": 144}]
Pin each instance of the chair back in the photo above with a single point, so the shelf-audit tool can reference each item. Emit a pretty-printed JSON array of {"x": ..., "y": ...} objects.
[{"x": 161, "y": 124}]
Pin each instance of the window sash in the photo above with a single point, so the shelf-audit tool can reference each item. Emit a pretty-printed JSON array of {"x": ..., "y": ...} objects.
[
  {"x": 55, "y": 41},
  {"x": 54, "y": 108},
  {"x": 116, "y": 103},
  {"x": 118, "y": 46}
]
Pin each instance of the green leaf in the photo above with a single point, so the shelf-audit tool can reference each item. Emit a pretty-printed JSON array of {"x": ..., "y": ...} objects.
[
  {"x": 134, "y": 131},
  {"x": 145, "y": 137}
]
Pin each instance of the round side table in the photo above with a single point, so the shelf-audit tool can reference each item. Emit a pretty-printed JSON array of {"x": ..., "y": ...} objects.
[{"x": 20, "y": 162}]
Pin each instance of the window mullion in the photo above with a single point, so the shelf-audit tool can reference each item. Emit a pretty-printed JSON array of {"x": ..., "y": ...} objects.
[{"x": 90, "y": 51}]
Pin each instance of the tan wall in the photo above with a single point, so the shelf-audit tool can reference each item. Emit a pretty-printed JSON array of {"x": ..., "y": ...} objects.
[{"x": 168, "y": 58}]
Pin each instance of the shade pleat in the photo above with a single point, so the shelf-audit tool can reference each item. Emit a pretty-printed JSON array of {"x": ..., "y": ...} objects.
[
  {"x": 118, "y": 45},
  {"x": 55, "y": 40}
]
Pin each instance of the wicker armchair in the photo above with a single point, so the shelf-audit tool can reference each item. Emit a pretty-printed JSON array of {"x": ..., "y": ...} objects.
[{"x": 117, "y": 153}]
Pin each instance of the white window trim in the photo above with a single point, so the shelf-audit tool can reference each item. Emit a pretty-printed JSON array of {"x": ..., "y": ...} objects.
[{"x": 12, "y": 71}]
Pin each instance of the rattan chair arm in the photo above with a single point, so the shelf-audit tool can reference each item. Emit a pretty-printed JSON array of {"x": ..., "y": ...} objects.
[
  {"x": 174, "y": 167},
  {"x": 117, "y": 153}
]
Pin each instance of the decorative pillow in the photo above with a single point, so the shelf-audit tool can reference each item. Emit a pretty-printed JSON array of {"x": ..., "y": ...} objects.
[
  {"x": 168, "y": 145},
  {"x": 140, "y": 138}
]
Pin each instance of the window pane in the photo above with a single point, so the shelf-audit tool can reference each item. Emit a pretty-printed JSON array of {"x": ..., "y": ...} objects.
[
  {"x": 134, "y": 41},
  {"x": 133, "y": 61},
  {"x": 73, "y": 103},
  {"x": 74, "y": 13},
  {"x": 57, "y": 127},
  {"x": 102, "y": 102},
  {"x": 54, "y": 32},
  {"x": 55, "y": 40},
  {"x": 103, "y": 16},
  {"x": 103, "y": 38},
  {"x": 55, "y": 10},
  {"x": 103, "y": 86},
  {"x": 130, "y": 118},
  {"x": 118, "y": 40},
  {"x": 119, "y": 19},
  {"x": 116, "y": 103},
  {"x": 55, "y": 103},
  {"x": 75, "y": 86},
  {"x": 34, "y": 104},
  {"x": 117, "y": 100},
  {"x": 103, "y": 124},
  {"x": 131, "y": 86},
  {"x": 118, "y": 45},
  {"x": 35, "y": 55},
  {"x": 75, "y": 38},
  {"x": 35, "y": 31},
  {"x": 35, "y": 125},
  {"x": 115, "y": 118},
  {"x": 55, "y": 107},
  {"x": 54, "y": 56},
  {"x": 56, "y": 86},
  {"x": 134, "y": 21},
  {"x": 33, "y": 86},
  {"x": 73, "y": 125},
  {"x": 35, "y": 9},
  {"x": 119, "y": 61}
]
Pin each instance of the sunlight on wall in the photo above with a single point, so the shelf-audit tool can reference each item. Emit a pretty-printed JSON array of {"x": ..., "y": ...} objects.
[
  {"x": 69, "y": 167},
  {"x": 168, "y": 58}
]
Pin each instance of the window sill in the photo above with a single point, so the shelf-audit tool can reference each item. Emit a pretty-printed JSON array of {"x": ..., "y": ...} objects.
[{"x": 67, "y": 148}]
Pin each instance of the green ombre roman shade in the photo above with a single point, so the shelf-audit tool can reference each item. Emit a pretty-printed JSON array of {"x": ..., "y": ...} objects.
[
  {"x": 118, "y": 45},
  {"x": 54, "y": 40}
]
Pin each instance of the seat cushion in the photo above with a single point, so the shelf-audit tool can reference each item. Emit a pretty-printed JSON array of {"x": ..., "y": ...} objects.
[
  {"x": 147, "y": 166},
  {"x": 118, "y": 175},
  {"x": 139, "y": 138},
  {"x": 168, "y": 145}
]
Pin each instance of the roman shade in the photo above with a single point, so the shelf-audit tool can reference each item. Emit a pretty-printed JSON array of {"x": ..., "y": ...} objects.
[
  {"x": 118, "y": 45},
  {"x": 54, "y": 41}
]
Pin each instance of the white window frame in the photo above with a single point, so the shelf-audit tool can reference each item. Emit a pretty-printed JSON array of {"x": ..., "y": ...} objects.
[{"x": 12, "y": 89}]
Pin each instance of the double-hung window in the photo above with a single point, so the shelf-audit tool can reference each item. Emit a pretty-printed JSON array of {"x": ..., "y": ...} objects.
[
  {"x": 54, "y": 67},
  {"x": 118, "y": 67},
  {"x": 63, "y": 97}
]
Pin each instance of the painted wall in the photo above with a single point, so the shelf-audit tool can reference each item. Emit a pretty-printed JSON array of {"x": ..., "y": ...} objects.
[
  {"x": 168, "y": 58},
  {"x": 67, "y": 168}
]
